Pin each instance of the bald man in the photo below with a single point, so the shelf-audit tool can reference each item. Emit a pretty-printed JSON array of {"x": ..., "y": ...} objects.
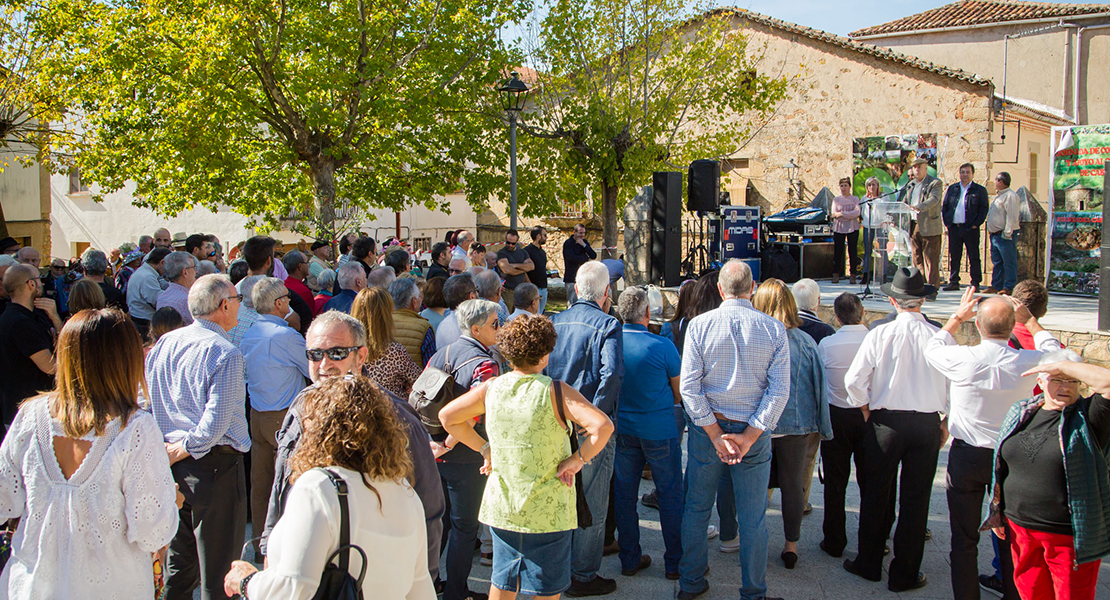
[
  {"x": 162, "y": 238},
  {"x": 27, "y": 331},
  {"x": 986, "y": 381}
]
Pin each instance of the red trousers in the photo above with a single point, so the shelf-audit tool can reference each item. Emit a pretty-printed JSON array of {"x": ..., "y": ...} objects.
[{"x": 1044, "y": 566}]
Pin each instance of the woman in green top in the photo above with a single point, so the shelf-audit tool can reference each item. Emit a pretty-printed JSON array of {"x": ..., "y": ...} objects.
[{"x": 529, "y": 500}]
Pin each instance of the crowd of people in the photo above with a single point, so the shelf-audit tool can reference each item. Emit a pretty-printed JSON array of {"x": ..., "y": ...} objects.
[{"x": 161, "y": 399}]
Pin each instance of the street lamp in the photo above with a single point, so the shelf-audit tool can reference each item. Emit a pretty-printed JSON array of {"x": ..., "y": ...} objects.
[
  {"x": 514, "y": 93},
  {"x": 792, "y": 175}
]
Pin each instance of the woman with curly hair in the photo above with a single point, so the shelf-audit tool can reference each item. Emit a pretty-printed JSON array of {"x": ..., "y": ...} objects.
[
  {"x": 529, "y": 500},
  {"x": 352, "y": 430},
  {"x": 388, "y": 363}
]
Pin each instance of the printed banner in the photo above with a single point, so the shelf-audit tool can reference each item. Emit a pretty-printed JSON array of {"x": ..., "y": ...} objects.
[
  {"x": 888, "y": 159},
  {"x": 1078, "y": 165}
]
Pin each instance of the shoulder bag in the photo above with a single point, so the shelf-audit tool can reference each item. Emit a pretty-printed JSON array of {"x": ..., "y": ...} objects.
[
  {"x": 434, "y": 389},
  {"x": 336, "y": 583}
]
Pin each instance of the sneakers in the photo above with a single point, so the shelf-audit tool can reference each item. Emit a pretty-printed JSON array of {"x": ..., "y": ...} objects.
[
  {"x": 992, "y": 584},
  {"x": 651, "y": 500},
  {"x": 731, "y": 546},
  {"x": 598, "y": 586},
  {"x": 712, "y": 532}
]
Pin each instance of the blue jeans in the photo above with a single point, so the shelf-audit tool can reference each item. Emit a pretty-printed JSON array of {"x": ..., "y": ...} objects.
[
  {"x": 543, "y": 300},
  {"x": 463, "y": 485},
  {"x": 587, "y": 545},
  {"x": 749, "y": 485},
  {"x": 1004, "y": 259},
  {"x": 665, "y": 458}
]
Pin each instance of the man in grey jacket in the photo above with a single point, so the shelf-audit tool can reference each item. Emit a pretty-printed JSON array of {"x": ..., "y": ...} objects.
[{"x": 923, "y": 194}]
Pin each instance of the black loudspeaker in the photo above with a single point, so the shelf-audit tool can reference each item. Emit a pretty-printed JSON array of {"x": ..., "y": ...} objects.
[
  {"x": 703, "y": 189},
  {"x": 666, "y": 228}
]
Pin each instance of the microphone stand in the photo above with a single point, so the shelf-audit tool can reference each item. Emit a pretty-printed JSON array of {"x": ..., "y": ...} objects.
[{"x": 866, "y": 292}]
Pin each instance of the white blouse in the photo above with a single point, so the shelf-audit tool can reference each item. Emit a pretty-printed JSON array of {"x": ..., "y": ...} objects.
[
  {"x": 91, "y": 536},
  {"x": 392, "y": 533}
]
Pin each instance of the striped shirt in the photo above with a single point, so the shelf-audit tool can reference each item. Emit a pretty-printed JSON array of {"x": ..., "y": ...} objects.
[
  {"x": 197, "y": 389},
  {"x": 736, "y": 362},
  {"x": 176, "y": 297}
]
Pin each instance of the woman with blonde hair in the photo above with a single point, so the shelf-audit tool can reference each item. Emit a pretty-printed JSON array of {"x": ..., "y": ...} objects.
[
  {"x": 86, "y": 295},
  {"x": 351, "y": 430},
  {"x": 805, "y": 417},
  {"x": 387, "y": 363},
  {"x": 88, "y": 473}
]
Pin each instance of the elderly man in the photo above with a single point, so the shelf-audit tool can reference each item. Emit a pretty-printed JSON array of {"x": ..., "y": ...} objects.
[
  {"x": 588, "y": 356},
  {"x": 576, "y": 252},
  {"x": 923, "y": 193},
  {"x": 515, "y": 264},
  {"x": 277, "y": 369},
  {"x": 29, "y": 256},
  {"x": 95, "y": 264},
  {"x": 903, "y": 396},
  {"x": 528, "y": 301},
  {"x": 336, "y": 347},
  {"x": 807, "y": 294},
  {"x": 352, "y": 280},
  {"x": 143, "y": 289},
  {"x": 146, "y": 243},
  {"x": 28, "y": 327},
  {"x": 457, "y": 266},
  {"x": 1003, "y": 222},
  {"x": 441, "y": 257},
  {"x": 964, "y": 209},
  {"x": 490, "y": 288},
  {"x": 162, "y": 238},
  {"x": 735, "y": 383},
  {"x": 180, "y": 269},
  {"x": 647, "y": 434},
  {"x": 986, "y": 381},
  {"x": 413, "y": 331},
  {"x": 381, "y": 277},
  {"x": 195, "y": 376},
  {"x": 458, "y": 289},
  {"x": 317, "y": 262},
  {"x": 462, "y": 248},
  {"x": 301, "y": 301}
]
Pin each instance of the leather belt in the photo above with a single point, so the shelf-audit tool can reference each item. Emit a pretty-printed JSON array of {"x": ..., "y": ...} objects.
[{"x": 721, "y": 417}]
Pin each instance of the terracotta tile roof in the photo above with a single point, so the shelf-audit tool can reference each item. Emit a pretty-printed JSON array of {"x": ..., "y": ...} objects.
[
  {"x": 979, "y": 12},
  {"x": 843, "y": 42}
]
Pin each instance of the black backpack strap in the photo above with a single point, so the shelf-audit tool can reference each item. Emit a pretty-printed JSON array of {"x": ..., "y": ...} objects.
[
  {"x": 1015, "y": 342},
  {"x": 344, "y": 520}
]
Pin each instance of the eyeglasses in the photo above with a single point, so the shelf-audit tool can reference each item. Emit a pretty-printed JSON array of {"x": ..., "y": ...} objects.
[
  {"x": 337, "y": 353},
  {"x": 238, "y": 297},
  {"x": 454, "y": 271}
]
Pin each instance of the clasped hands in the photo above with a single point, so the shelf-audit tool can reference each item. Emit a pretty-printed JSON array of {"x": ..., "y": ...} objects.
[{"x": 731, "y": 447}]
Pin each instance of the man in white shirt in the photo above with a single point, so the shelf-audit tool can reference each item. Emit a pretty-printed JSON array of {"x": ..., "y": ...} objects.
[
  {"x": 986, "y": 381},
  {"x": 462, "y": 250},
  {"x": 1003, "y": 221},
  {"x": 903, "y": 397}
]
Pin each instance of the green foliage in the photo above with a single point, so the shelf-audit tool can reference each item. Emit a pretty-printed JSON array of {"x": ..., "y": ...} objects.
[{"x": 273, "y": 106}]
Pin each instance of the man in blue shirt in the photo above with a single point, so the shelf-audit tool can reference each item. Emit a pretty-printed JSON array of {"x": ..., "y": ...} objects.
[
  {"x": 647, "y": 433},
  {"x": 277, "y": 369},
  {"x": 351, "y": 279}
]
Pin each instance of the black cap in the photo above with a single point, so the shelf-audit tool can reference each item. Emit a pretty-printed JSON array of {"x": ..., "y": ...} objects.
[
  {"x": 8, "y": 242},
  {"x": 319, "y": 244}
]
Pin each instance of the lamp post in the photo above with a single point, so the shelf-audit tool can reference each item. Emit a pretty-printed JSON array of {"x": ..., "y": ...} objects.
[
  {"x": 514, "y": 92},
  {"x": 792, "y": 175}
]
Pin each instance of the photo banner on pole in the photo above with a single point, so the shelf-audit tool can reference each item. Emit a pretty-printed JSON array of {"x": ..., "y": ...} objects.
[
  {"x": 1078, "y": 169},
  {"x": 888, "y": 159}
]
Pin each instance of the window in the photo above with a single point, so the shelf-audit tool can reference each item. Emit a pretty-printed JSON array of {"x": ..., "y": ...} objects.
[
  {"x": 1034, "y": 173},
  {"x": 421, "y": 245},
  {"x": 76, "y": 186}
]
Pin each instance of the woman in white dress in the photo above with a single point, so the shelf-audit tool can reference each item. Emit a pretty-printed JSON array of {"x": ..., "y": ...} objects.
[{"x": 87, "y": 474}]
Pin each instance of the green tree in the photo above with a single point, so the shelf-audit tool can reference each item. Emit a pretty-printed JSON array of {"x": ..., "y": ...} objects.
[
  {"x": 278, "y": 106},
  {"x": 627, "y": 87}
]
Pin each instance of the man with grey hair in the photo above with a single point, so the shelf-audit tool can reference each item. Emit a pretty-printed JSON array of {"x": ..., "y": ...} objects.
[
  {"x": 301, "y": 301},
  {"x": 95, "y": 264},
  {"x": 336, "y": 346},
  {"x": 648, "y": 435},
  {"x": 180, "y": 271},
  {"x": 197, "y": 396},
  {"x": 457, "y": 266},
  {"x": 381, "y": 277},
  {"x": 489, "y": 287},
  {"x": 207, "y": 267},
  {"x": 986, "y": 380},
  {"x": 588, "y": 356},
  {"x": 462, "y": 249},
  {"x": 146, "y": 243},
  {"x": 527, "y": 297},
  {"x": 276, "y": 372},
  {"x": 352, "y": 280},
  {"x": 458, "y": 289},
  {"x": 414, "y": 332},
  {"x": 735, "y": 383},
  {"x": 471, "y": 363},
  {"x": 326, "y": 280},
  {"x": 903, "y": 397},
  {"x": 807, "y": 294}
]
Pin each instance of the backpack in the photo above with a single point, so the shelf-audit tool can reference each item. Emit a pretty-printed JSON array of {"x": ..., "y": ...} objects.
[{"x": 434, "y": 389}]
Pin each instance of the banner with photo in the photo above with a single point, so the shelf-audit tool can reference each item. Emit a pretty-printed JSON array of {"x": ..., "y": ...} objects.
[
  {"x": 1078, "y": 159},
  {"x": 888, "y": 159}
]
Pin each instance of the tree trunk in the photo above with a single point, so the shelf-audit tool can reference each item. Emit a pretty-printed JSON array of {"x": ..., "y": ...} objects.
[
  {"x": 609, "y": 217},
  {"x": 323, "y": 183}
]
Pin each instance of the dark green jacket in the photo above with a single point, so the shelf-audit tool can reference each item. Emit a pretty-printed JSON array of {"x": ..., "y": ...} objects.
[{"x": 1086, "y": 472}]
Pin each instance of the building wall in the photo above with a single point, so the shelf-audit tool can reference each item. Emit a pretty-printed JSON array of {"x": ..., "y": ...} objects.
[
  {"x": 1041, "y": 67},
  {"x": 25, "y": 197}
]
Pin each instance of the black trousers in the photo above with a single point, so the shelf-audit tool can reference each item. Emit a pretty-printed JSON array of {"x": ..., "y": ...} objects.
[
  {"x": 970, "y": 470},
  {"x": 837, "y": 455},
  {"x": 211, "y": 526},
  {"x": 911, "y": 440},
  {"x": 852, "y": 240},
  {"x": 959, "y": 239}
]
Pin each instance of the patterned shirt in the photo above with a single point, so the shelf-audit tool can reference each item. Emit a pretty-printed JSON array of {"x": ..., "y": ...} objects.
[
  {"x": 736, "y": 362},
  {"x": 176, "y": 297},
  {"x": 197, "y": 389},
  {"x": 247, "y": 317},
  {"x": 394, "y": 370}
]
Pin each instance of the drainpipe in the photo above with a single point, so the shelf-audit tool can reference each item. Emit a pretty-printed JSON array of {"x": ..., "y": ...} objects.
[
  {"x": 1067, "y": 58},
  {"x": 1079, "y": 61}
]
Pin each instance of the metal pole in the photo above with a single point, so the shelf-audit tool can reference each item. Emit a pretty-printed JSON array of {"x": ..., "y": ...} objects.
[{"x": 512, "y": 169}]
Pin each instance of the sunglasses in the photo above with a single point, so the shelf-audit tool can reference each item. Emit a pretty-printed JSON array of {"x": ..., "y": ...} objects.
[
  {"x": 211, "y": 254},
  {"x": 338, "y": 353}
]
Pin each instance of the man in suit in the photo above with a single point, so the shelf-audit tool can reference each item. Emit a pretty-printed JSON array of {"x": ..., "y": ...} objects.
[
  {"x": 964, "y": 209},
  {"x": 922, "y": 193}
]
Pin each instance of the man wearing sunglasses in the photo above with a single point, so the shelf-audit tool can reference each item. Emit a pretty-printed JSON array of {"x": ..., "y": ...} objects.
[
  {"x": 515, "y": 264},
  {"x": 26, "y": 342},
  {"x": 336, "y": 347}
]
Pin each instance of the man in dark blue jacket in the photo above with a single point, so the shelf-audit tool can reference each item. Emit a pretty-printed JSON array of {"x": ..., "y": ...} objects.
[{"x": 964, "y": 210}]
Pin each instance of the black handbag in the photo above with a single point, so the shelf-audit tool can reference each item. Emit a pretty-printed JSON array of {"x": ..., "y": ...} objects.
[
  {"x": 434, "y": 389},
  {"x": 336, "y": 582},
  {"x": 585, "y": 517}
]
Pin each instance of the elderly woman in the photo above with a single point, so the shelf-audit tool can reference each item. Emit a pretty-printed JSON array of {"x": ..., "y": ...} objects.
[
  {"x": 529, "y": 503},
  {"x": 1051, "y": 484},
  {"x": 844, "y": 211},
  {"x": 388, "y": 363},
  {"x": 805, "y": 417}
]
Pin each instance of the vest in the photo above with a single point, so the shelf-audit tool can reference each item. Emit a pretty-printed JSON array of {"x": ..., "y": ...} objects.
[{"x": 409, "y": 329}]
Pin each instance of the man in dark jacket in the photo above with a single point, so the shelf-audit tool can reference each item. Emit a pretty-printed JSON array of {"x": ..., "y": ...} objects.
[
  {"x": 576, "y": 252},
  {"x": 964, "y": 210},
  {"x": 441, "y": 256}
]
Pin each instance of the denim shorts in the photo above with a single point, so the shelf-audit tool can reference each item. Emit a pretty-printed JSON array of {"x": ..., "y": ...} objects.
[{"x": 535, "y": 564}]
